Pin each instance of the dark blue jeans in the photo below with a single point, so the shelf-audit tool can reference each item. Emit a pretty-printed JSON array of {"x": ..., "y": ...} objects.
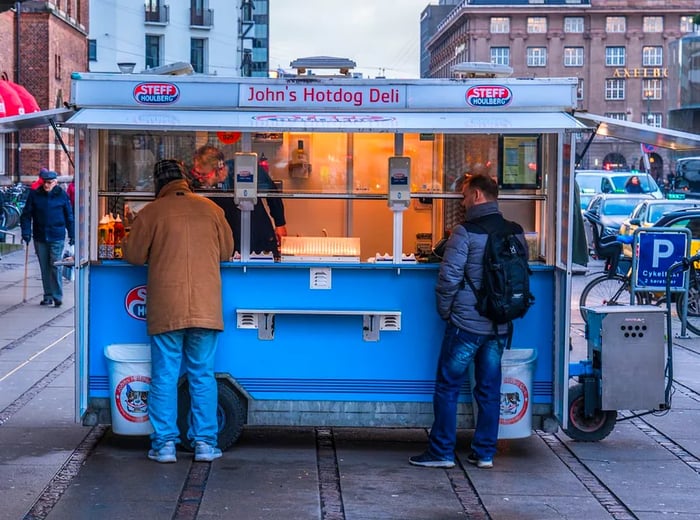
[{"x": 459, "y": 348}]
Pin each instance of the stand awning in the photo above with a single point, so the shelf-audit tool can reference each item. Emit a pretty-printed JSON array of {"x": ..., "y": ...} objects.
[
  {"x": 391, "y": 122},
  {"x": 42, "y": 118},
  {"x": 640, "y": 133}
]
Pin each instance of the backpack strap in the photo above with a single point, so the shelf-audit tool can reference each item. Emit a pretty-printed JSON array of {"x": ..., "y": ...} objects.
[{"x": 469, "y": 281}]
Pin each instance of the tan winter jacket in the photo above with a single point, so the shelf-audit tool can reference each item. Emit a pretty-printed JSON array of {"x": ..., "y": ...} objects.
[{"x": 182, "y": 237}]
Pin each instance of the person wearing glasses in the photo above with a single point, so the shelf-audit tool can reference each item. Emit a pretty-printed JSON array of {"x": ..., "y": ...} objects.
[
  {"x": 46, "y": 217},
  {"x": 211, "y": 172}
]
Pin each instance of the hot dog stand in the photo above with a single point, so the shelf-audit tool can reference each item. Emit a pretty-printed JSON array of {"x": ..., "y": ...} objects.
[{"x": 342, "y": 329}]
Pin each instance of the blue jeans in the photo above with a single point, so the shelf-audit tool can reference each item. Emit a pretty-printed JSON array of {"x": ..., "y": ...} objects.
[
  {"x": 459, "y": 348},
  {"x": 48, "y": 253},
  {"x": 198, "y": 347}
]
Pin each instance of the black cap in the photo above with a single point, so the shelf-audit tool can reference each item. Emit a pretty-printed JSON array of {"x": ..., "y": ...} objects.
[{"x": 166, "y": 171}]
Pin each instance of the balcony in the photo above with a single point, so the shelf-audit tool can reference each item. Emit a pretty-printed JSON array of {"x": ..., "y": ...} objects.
[
  {"x": 158, "y": 16},
  {"x": 203, "y": 18}
]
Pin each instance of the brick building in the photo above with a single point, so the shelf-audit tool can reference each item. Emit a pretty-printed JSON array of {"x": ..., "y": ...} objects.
[
  {"x": 43, "y": 42},
  {"x": 618, "y": 50}
]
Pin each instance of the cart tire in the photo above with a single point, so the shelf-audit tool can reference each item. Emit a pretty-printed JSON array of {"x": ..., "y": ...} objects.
[
  {"x": 587, "y": 429},
  {"x": 230, "y": 415}
]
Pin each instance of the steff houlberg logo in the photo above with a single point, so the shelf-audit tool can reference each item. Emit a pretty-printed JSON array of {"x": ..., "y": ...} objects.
[
  {"x": 489, "y": 96},
  {"x": 135, "y": 303},
  {"x": 153, "y": 93}
]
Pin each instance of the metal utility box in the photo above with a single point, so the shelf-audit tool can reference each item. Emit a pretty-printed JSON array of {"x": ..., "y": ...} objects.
[{"x": 627, "y": 347}]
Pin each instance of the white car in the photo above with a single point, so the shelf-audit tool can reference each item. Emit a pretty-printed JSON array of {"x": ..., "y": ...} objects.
[{"x": 593, "y": 182}]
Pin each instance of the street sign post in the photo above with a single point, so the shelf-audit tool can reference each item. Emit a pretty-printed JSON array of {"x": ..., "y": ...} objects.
[{"x": 654, "y": 251}]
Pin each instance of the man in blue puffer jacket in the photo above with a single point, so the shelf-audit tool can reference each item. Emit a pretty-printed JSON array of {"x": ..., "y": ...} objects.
[
  {"x": 468, "y": 335},
  {"x": 46, "y": 217}
]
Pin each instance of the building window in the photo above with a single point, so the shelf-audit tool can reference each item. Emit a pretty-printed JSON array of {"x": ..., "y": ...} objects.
[
  {"x": 652, "y": 56},
  {"x": 620, "y": 116},
  {"x": 579, "y": 89},
  {"x": 653, "y": 24},
  {"x": 652, "y": 89},
  {"x": 536, "y": 24},
  {"x": 573, "y": 56},
  {"x": 500, "y": 24},
  {"x": 153, "y": 51},
  {"x": 92, "y": 50},
  {"x": 653, "y": 119},
  {"x": 615, "y": 56},
  {"x": 573, "y": 24},
  {"x": 260, "y": 6},
  {"x": 500, "y": 55},
  {"x": 687, "y": 25},
  {"x": 197, "y": 50},
  {"x": 57, "y": 66},
  {"x": 614, "y": 89},
  {"x": 537, "y": 56},
  {"x": 615, "y": 24}
]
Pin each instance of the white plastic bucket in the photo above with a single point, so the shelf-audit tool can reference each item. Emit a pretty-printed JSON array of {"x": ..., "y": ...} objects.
[
  {"x": 517, "y": 368},
  {"x": 129, "y": 382}
]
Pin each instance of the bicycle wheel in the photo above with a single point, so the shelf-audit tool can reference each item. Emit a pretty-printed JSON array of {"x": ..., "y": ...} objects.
[
  {"x": 693, "y": 317},
  {"x": 12, "y": 216},
  {"x": 604, "y": 290}
]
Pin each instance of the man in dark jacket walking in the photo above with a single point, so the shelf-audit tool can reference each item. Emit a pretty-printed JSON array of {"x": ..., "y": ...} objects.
[
  {"x": 46, "y": 217},
  {"x": 468, "y": 335}
]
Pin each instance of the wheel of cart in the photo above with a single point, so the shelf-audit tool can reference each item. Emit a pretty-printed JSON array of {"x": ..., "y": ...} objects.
[{"x": 231, "y": 413}]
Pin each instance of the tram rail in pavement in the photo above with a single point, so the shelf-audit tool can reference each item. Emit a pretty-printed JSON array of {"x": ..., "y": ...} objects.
[{"x": 51, "y": 467}]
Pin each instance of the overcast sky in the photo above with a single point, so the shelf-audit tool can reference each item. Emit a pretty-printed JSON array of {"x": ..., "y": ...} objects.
[{"x": 378, "y": 35}]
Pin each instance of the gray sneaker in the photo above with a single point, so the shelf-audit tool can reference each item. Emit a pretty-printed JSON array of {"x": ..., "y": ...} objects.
[
  {"x": 165, "y": 454},
  {"x": 204, "y": 452}
]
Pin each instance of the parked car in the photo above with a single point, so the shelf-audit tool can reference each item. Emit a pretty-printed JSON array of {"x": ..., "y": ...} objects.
[
  {"x": 647, "y": 213},
  {"x": 686, "y": 177},
  {"x": 592, "y": 182},
  {"x": 607, "y": 211}
]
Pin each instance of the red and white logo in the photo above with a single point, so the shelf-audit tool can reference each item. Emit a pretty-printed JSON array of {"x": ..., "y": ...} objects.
[
  {"x": 488, "y": 96},
  {"x": 135, "y": 303},
  {"x": 131, "y": 396},
  {"x": 153, "y": 93},
  {"x": 514, "y": 400}
]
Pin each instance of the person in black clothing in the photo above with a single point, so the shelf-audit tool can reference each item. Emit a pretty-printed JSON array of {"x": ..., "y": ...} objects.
[
  {"x": 212, "y": 172},
  {"x": 46, "y": 217},
  {"x": 634, "y": 185}
]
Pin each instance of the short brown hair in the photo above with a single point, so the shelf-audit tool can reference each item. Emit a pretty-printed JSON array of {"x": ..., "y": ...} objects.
[
  {"x": 484, "y": 183},
  {"x": 209, "y": 157}
]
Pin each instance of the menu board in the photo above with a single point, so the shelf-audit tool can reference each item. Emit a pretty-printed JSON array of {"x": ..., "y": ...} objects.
[{"x": 520, "y": 162}]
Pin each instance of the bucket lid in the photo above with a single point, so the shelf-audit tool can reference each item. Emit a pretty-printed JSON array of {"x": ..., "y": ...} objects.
[
  {"x": 131, "y": 352},
  {"x": 518, "y": 356}
]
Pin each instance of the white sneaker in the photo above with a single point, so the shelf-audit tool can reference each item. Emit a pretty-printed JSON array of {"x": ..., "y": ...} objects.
[
  {"x": 203, "y": 452},
  {"x": 165, "y": 454}
]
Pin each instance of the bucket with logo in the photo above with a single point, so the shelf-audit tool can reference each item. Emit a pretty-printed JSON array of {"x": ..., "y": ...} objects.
[{"x": 130, "y": 383}]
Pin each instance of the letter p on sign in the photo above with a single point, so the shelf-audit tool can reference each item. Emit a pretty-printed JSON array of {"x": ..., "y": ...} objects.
[{"x": 662, "y": 249}]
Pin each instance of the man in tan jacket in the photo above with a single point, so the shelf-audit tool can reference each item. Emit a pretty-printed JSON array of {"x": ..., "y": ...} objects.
[{"x": 183, "y": 238}]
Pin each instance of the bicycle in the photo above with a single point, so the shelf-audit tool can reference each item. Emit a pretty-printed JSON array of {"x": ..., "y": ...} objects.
[
  {"x": 614, "y": 285},
  {"x": 693, "y": 308},
  {"x": 13, "y": 199}
]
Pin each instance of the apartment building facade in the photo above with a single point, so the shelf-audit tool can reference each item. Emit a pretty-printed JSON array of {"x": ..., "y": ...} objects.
[
  {"x": 617, "y": 49},
  {"x": 216, "y": 37}
]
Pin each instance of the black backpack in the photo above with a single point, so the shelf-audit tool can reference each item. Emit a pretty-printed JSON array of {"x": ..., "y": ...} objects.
[{"x": 504, "y": 294}]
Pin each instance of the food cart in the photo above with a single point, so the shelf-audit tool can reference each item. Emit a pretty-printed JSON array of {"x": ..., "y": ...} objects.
[{"x": 342, "y": 330}]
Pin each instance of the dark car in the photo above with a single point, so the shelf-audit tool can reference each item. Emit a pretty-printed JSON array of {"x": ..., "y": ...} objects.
[
  {"x": 688, "y": 218},
  {"x": 607, "y": 211}
]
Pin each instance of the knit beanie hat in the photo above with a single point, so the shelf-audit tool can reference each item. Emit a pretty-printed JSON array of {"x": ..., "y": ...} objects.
[{"x": 166, "y": 171}]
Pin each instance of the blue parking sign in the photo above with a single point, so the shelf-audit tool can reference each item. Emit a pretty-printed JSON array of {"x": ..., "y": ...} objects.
[{"x": 656, "y": 252}]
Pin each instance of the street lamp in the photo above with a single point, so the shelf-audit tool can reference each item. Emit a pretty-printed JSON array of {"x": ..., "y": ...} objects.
[{"x": 648, "y": 94}]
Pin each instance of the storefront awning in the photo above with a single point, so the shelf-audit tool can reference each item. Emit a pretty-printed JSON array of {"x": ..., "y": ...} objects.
[
  {"x": 409, "y": 122},
  {"x": 43, "y": 118},
  {"x": 639, "y": 133}
]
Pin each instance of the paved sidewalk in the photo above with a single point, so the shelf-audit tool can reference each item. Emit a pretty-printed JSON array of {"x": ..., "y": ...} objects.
[{"x": 274, "y": 473}]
